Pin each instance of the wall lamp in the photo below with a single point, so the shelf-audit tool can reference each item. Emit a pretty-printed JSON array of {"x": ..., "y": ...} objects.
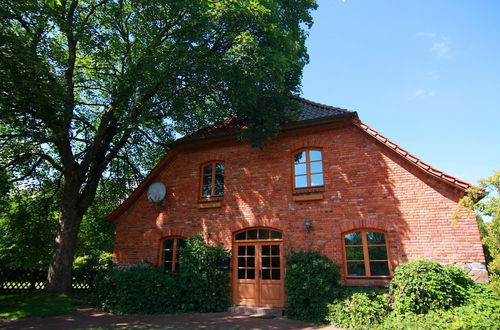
[{"x": 308, "y": 225}]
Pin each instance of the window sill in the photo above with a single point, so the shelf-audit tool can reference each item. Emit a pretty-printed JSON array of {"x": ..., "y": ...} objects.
[
  {"x": 308, "y": 190},
  {"x": 308, "y": 194},
  {"x": 209, "y": 202},
  {"x": 367, "y": 281}
]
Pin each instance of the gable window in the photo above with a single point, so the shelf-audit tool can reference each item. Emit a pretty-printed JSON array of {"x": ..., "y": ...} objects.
[
  {"x": 170, "y": 253},
  {"x": 308, "y": 169},
  {"x": 212, "y": 180},
  {"x": 366, "y": 254}
]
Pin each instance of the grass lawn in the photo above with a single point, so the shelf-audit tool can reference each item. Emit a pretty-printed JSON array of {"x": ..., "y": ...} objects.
[{"x": 40, "y": 304}]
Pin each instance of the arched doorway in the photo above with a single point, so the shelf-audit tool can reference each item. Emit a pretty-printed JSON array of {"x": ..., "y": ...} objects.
[{"x": 258, "y": 270}]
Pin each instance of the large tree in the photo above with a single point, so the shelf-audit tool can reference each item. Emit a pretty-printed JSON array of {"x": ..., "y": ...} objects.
[{"x": 85, "y": 84}]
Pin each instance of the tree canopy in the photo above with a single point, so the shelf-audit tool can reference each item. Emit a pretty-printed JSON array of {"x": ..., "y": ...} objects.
[{"x": 98, "y": 88}]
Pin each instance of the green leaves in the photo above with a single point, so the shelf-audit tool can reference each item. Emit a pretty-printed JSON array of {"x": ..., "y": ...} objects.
[
  {"x": 199, "y": 287},
  {"x": 421, "y": 285},
  {"x": 311, "y": 282}
]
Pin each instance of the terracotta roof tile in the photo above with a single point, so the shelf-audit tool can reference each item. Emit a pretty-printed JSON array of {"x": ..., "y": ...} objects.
[{"x": 413, "y": 159}]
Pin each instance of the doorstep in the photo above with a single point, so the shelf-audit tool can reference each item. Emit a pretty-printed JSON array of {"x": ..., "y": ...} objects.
[{"x": 256, "y": 311}]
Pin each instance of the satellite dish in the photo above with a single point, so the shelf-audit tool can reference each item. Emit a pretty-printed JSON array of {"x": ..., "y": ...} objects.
[{"x": 156, "y": 192}]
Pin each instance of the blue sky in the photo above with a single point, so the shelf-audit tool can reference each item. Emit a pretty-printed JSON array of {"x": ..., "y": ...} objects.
[{"x": 424, "y": 73}]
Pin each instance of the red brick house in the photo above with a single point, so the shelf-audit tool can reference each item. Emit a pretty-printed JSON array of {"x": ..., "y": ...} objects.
[{"x": 327, "y": 182}]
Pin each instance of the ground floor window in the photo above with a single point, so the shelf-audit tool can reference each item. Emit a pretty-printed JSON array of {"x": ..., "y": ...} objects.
[
  {"x": 366, "y": 254},
  {"x": 170, "y": 253}
]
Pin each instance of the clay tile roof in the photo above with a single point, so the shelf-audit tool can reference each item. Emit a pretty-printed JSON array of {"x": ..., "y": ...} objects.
[
  {"x": 311, "y": 111},
  {"x": 411, "y": 158}
]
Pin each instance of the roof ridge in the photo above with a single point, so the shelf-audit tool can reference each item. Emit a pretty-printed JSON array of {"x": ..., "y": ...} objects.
[
  {"x": 319, "y": 105},
  {"x": 410, "y": 157}
]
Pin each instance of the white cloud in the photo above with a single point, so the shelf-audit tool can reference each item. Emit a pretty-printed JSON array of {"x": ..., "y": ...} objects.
[
  {"x": 422, "y": 93},
  {"x": 441, "y": 45}
]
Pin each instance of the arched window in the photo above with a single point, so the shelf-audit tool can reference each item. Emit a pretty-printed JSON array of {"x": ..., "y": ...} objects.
[
  {"x": 170, "y": 253},
  {"x": 308, "y": 169},
  {"x": 366, "y": 254},
  {"x": 212, "y": 180}
]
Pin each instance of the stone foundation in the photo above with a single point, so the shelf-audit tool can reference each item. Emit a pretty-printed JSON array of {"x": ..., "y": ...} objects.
[{"x": 476, "y": 270}]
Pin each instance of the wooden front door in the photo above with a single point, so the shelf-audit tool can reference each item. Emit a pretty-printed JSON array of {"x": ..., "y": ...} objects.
[{"x": 258, "y": 276}]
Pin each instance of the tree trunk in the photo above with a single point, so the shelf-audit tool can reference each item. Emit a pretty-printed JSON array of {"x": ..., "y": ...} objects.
[{"x": 61, "y": 264}]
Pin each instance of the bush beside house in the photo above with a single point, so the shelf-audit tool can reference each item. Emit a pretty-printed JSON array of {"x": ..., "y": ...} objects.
[
  {"x": 423, "y": 295},
  {"x": 311, "y": 282},
  {"x": 199, "y": 286}
]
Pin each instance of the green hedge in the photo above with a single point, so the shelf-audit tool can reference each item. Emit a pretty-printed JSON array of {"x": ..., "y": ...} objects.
[
  {"x": 480, "y": 311},
  {"x": 138, "y": 291},
  {"x": 359, "y": 310},
  {"x": 311, "y": 282},
  {"x": 422, "y": 285},
  {"x": 198, "y": 287},
  {"x": 423, "y": 295}
]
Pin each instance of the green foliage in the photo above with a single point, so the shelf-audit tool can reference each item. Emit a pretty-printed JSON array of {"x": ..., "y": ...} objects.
[
  {"x": 92, "y": 89},
  {"x": 421, "y": 285},
  {"x": 205, "y": 287},
  {"x": 481, "y": 311},
  {"x": 311, "y": 282},
  {"x": 488, "y": 206},
  {"x": 27, "y": 229},
  {"x": 138, "y": 291},
  {"x": 363, "y": 309},
  {"x": 198, "y": 287}
]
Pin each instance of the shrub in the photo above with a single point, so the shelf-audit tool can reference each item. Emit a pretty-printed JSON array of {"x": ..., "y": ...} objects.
[
  {"x": 312, "y": 281},
  {"x": 205, "y": 287},
  {"x": 359, "y": 310},
  {"x": 199, "y": 286},
  {"x": 481, "y": 311},
  {"x": 138, "y": 291},
  {"x": 422, "y": 285}
]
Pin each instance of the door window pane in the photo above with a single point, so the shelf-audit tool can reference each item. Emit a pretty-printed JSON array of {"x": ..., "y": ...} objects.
[
  {"x": 241, "y": 262},
  {"x": 252, "y": 234},
  {"x": 276, "y": 234},
  {"x": 264, "y": 234},
  {"x": 266, "y": 251},
  {"x": 251, "y": 274},
  {"x": 241, "y": 274},
  {"x": 276, "y": 274},
  {"x": 266, "y": 274},
  {"x": 266, "y": 262},
  {"x": 275, "y": 250},
  {"x": 275, "y": 262}
]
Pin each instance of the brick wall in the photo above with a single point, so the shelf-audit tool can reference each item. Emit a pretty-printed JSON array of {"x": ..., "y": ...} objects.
[{"x": 366, "y": 186}]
